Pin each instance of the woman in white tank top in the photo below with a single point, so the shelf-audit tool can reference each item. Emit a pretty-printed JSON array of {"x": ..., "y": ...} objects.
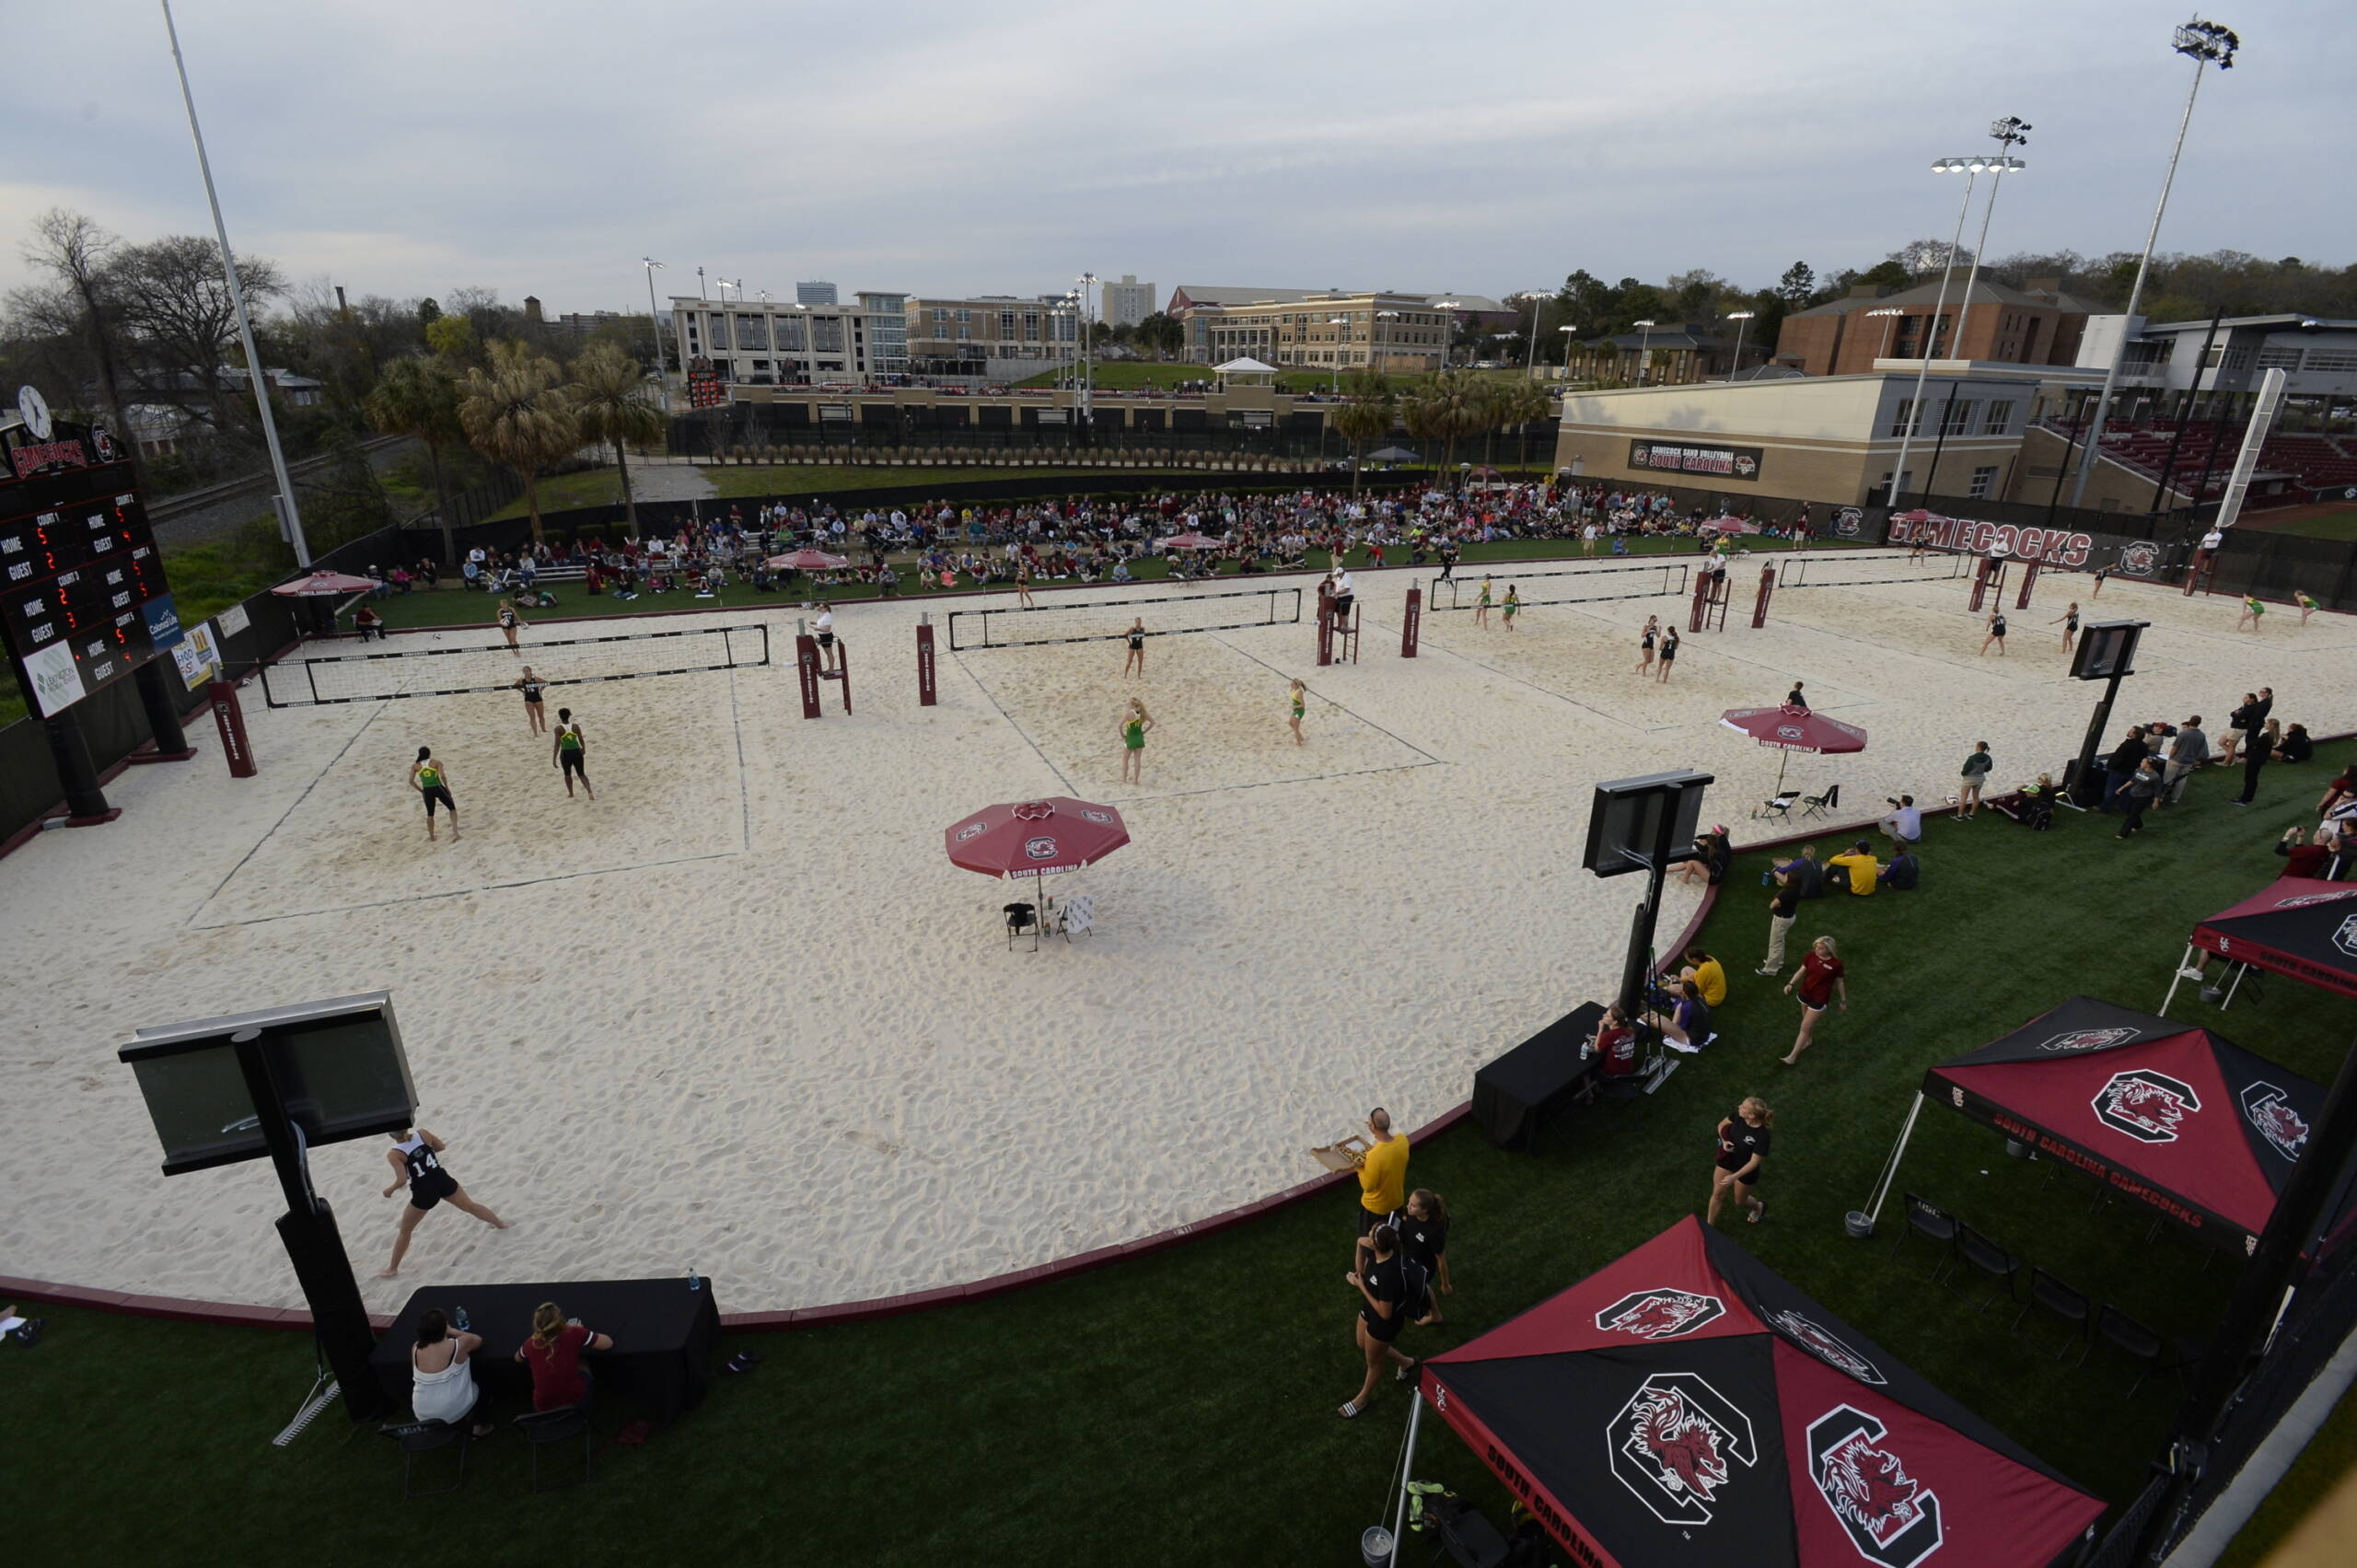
[{"x": 443, "y": 1379}]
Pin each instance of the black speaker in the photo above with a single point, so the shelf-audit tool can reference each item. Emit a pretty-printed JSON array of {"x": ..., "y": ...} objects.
[
  {"x": 1632, "y": 820},
  {"x": 2106, "y": 648}
]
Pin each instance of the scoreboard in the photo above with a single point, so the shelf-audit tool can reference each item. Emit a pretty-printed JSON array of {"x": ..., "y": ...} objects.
[{"x": 83, "y": 601}]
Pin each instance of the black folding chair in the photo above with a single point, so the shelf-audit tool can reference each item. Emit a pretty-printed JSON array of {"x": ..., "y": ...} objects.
[
  {"x": 541, "y": 1428},
  {"x": 1934, "y": 1225},
  {"x": 1821, "y": 804},
  {"x": 1992, "y": 1259},
  {"x": 2074, "y": 1309},
  {"x": 2138, "y": 1344},
  {"x": 425, "y": 1437},
  {"x": 1021, "y": 917}
]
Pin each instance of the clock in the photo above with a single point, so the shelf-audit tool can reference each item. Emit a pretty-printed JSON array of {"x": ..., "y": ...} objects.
[{"x": 34, "y": 410}]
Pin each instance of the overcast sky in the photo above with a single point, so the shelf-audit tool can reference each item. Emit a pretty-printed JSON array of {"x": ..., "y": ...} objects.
[{"x": 542, "y": 147}]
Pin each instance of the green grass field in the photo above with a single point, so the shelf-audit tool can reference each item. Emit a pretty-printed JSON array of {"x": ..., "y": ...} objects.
[
  {"x": 1179, "y": 1408},
  {"x": 2309, "y": 522}
]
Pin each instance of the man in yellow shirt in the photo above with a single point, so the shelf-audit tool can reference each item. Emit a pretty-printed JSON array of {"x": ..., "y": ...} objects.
[
  {"x": 1708, "y": 975},
  {"x": 1383, "y": 1171},
  {"x": 1861, "y": 866}
]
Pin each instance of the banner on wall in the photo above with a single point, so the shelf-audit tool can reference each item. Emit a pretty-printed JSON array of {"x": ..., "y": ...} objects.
[{"x": 1723, "y": 462}]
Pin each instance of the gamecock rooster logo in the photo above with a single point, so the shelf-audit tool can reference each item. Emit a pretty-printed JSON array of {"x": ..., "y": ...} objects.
[
  {"x": 1661, "y": 1314},
  {"x": 1827, "y": 1346},
  {"x": 1676, "y": 1443},
  {"x": 2140, "y": 559},
  {"x": 1890, "y": 1516},
  {"x": 2145, "y": 1105},
  {"x": 2088, "y": 1040},
  {"x": 2345, "y": 939},
  {"x": 2285, "y": 1131}
]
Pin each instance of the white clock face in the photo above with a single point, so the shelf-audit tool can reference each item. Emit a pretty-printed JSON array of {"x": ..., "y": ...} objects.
[{"x": 34, "y": 409}]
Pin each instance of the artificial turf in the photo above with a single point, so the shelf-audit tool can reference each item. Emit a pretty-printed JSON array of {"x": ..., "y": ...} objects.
[{"x": 1180, "y": 1408}]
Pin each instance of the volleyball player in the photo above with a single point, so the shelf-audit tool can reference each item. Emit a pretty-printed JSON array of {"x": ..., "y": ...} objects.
[
  {"x": 1645, "y": 644},
  {"x": 508, "y": 622},
  {"x": 1135, "y": 635},
  {"x": 2069, "y": 621},
  {"x": 1135, "y": 722},
  {"x": 1668, "y": 652},
  {"x": 1996, "y": 633},
  {"x": 532, "y": 686},
  {"x": 1481, "y": 605},
  {"x": 569, "y": 752},
  {"x": 415, "y": 1157},
  {"x": 426, "y": 777},
  {"x": 1300, "y": 700},
  {"x": 2253, "y": 608},
  {"x": 1023, "y": 583},
  {"x": 1513, "y": 607}
]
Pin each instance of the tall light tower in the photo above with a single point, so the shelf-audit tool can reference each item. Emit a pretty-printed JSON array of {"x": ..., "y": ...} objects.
[
  {"x": 655, "y": 316},
  {"x": 2204, "y": 44},
  {"x": 1742, "y": 319},
  {"x": 1644, "y": 349},
  {"x": 1890, "y": 325},
  {"x": 1087, "y": 357}
]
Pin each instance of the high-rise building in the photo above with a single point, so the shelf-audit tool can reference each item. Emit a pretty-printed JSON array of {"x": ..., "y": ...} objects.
[
  {"x": 887, "y": 331},
  {"x": 1126, "y": 303},
  {"x": 762, "y": 342},
  {"x": 972, "y": 332},
  {"x": 814, "y": 294}
]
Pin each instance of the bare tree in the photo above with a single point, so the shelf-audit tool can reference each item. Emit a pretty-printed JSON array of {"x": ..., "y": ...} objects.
[
  {"x": 76, "y": 305},
  {"x": 173, "y": 301}
]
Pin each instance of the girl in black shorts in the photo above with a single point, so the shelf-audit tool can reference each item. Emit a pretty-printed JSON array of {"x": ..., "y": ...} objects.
[
  {"x": 1668, "y": 651},
  {"x": 415, "y": 1157},
  {"x": 426, "y": 777},
  {"x": 532, "y": 686},
  {"x": 1742, "y": 1151},
  {"x": 1383, "y": 1312},
  {"x": 570, "y": 752},
  {"x": 1135, "y": 663}
]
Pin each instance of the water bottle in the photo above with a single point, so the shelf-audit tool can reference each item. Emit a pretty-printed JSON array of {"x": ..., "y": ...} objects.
[
  {"x": 463, "y": 1320},
  {"x": 695, "y": 1281}
]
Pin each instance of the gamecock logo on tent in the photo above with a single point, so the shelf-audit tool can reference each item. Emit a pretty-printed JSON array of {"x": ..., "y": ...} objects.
[
  {"x": 2346, "y": 937},
  {"x": 2088, "y": 1040},
  {"x": 1676, "y": 1443},
  {"x": 2140, "y": 559},
  {"x": 1828, "y": 1347},
  {"x": 1847, "y": 522},
  {"x": 972, "y": 830},
  {"x": 1789, "y": 732},
  {"x": 2302, "y": 900},
  {"x": 2145, "y": 1105},
  {"x": 1102, "y": 818},
  {"x": 1661, "y": 1314},
  {"x": 2285, "y": 1131},
  {"x": 1039, "y": 849},
  {"x": 1890, "y": 1517}
]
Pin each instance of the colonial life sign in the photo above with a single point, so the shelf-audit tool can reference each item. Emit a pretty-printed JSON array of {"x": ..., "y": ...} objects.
[{"x": 1720, "y": 463}]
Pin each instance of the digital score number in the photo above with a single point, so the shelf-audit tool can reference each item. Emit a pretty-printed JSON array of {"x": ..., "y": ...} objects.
[{"x": 83, "y": 599}]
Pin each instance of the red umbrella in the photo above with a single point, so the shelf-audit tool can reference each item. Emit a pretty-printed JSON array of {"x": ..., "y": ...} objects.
[
  {"x": 1791, "y": 729},
  {"x": 1731, "y": 525},
  {"x": 1189, "y": 541},
  {"x": 323, "y": 583},
  {"x": 1035, "y": 837},
  {"x": 806, "y": 560}
]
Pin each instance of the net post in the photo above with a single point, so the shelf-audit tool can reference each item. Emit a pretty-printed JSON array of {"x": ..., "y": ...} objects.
[
  {"x": 806, "y": 666},
  {"x": 1767, "y": 591},
  {"x": 1701, "y": 606},
  {"x": 1325, "y": 624},
  {"x": 311, "y": 674},
  {"x": 229, "y": 718},
  {"x": 842, "y": 671},
  {"x": 2029, "y": 580},
  {"x": 927, "y": 695},
  {"x": 1408, "y": 622}
]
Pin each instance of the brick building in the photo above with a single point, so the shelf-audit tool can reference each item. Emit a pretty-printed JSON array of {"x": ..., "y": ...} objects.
[{"x": 2037, "y": 325}]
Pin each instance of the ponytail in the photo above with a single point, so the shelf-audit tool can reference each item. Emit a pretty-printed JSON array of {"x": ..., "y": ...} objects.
[
  {"x": 1430, "y": 1201},
  {"x": 548, "y": 1322}
]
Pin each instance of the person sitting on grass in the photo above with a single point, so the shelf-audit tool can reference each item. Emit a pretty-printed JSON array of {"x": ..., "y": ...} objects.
[
  {"x": 1686, "y": 1028},
  {"x": 2032, "y": 805},
  {"x": 26, "y": 1329},
  {"x": 1901, "y": 875},
  {"x": 1713, "y": 854},
  {"x": 2295, "y": 746},
  {"x": 1858, "y": 871},
  {"x": 1706, "y": 972},
  {"x": 2303, "y": 857}
]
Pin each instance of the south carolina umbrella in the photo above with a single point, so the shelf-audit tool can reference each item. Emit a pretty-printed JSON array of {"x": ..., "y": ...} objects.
[
  {"x": 1035, "y": 837},
  {"x": 1686, "y": 1406},
  {"x": 806, "y": 561},
  {"x": 1189, "y": 541},
  {"x": 1792, "y": 730},
  {"x": 1731, "y": 525},
  {"x": 323, "y": 583}
]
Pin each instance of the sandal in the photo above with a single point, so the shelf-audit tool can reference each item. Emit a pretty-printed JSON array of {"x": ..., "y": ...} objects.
[
  {"x": 1756, "y": 1215},
  {"x": 1350, "y": 1410},
  {"x": 1407, "y": 1373}
]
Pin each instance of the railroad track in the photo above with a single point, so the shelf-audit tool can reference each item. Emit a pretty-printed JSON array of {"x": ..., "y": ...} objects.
[{"x": 214, "y": 495}]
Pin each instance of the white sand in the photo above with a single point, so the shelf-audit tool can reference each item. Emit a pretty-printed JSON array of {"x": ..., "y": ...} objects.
[{"x": 741, "y": 1013}]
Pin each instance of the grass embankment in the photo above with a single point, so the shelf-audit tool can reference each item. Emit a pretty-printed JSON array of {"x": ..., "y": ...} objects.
[
  {"x": 451, "y": 606},
  {"x": 1179, "y": 1408},
  {"x": 602, "y": 487}
]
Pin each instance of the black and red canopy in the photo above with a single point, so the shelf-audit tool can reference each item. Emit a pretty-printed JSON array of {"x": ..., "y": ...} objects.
[
  {"x": 1685, "y": 1405},
  {"x": 2295, "y": 925},
  {"x": 2166, "y": 1113}
]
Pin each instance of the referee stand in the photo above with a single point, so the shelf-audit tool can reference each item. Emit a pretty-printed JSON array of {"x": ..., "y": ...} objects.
[
  {"x": 1338, "y": 630},
  {"x": 1710, "y": 611},
  {"x": 808, "y": 671}
]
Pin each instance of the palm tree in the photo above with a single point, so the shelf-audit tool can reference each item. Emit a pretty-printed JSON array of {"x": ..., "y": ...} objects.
[
  {"x": 516, "y": 414},
  {"x": 1514, "y": 404},
  {"x": 607, "y": 399},
  {"x": 1366, "y": 417},
  {"x": 1453, "y": 407},
  {"x": 417, "y": 397}
]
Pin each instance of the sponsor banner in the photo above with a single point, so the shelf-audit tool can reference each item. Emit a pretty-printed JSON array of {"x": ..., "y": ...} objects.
[
  {"x": 198, "y": 656},
  {"x": 1721, "y": 462},
  {"x": 232, "y": 620},
  {"x": 2050, "y": 547}
]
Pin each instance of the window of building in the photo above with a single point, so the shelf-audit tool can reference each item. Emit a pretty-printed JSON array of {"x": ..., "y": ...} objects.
[
  {"x": 2279, "y": 359},
  {"x": 752, "y": 333},
  {"x": 2325, "y": 359},
  {"x": 1906, "y": 483},
  {"x": 790, "y": 334},
  {"x": 719, "y": 332},
  {"x": 827, "y": 334},
  {"x": 1959, "y": 416},
  {"x": 2223, "y": 357},
  {"x": 964, "y": 334},
  {"x": 1984, "y": 480},
  {"x": 1031, "y": 326},
  {"x": 2000, "y": 415},
  {"x": 964, "y": 317},
  {"x": 1900, "y": 422}
]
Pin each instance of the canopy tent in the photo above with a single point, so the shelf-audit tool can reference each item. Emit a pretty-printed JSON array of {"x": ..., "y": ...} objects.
[
  {"x": 806, "y": 560},
  {"x": 2295, "y": 926},
  {"x": 1393, "y": 455},
  {"x": 1189, "y": 541},
  {"x": 1791, "y": 729},
  {"x": 2166, "y": 1113},
  {"x": 1247, "y": 366},
  {"x": 1731, "y": 525},
  {"x": 324, "y": 583},
  {"x": 1738, "y": 1421}
]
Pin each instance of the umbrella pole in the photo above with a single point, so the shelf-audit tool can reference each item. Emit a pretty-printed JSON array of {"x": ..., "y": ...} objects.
[
  {"x": 1783, "y": 759},
  {"x": 1407, "y": 1469}
]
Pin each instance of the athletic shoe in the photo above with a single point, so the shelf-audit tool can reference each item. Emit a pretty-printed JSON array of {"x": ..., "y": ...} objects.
[
  {"x": 1765, "y": 970},
  {"x": 2190, "y": 972},
  {"x": 30, "y": 1334},
  {"x": 1681, "y": 1046}
]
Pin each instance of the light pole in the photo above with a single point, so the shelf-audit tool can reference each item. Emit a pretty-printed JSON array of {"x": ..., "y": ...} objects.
[
  {"x": 1742, "y": 319},
  {"x": 1890, "y": 325},
  {"x": 1644, "y": 349},
  {"x": 1384, "y": 335},
  {"x": 1087, "y": 355},
  {"x": 2008, "y": 133},
  {"x": 287, "y": 510},
  {"x": 655, "y": 318},
  {"x": 701, "y": 293},
  {"x": 2204, "y": 44},
  {"x": 1570, "y": 337},
  {"x": 1448, "y": 327},
  {"x": 1531, "y": 369},
  {"x": 1342, "y": 321},
  {"x": 1971, "y": 169}
]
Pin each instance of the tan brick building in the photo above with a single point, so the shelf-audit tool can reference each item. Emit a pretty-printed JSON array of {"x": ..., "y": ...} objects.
[
  {"x": 1322, "y": 331},
  {"x": 988, "y": 331},
  {"x": 2039, "y": 325}
]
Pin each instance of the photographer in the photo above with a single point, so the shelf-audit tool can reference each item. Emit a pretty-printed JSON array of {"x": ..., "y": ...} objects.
[{"x": 1904, "y": 826}]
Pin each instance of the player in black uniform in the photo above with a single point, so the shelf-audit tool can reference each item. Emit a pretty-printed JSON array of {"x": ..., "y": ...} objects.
[
  {"x": 415, "y": 1157},
  {"x": 1742, "y": 1152},
  {"x": 532, "y": 686}
]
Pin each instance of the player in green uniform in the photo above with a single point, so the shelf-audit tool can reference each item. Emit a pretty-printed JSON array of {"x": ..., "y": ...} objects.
[
  {"x": 570, "y": 752},
  {"x": 426, "y": 777},
  {"x": 1300, "y": 706}
]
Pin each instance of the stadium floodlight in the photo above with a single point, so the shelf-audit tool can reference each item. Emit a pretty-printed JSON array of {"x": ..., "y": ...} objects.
[
  {"x": 1449, "y": 327},
  {"x": 1742, "y": 319},
  {"x": 2204, "y": 44},
  {"x": 1890, "y": 325},
  {"x": 1571, "y": 338},
  {"x": 1645, "y": 348},
  {"x": 654, "y": 316}
]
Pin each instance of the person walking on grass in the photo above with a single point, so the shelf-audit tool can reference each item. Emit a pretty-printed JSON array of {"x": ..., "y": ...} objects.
[
  {"x": 1669, "y": 652},
  {"x": 1135, "y": 637},
  {"x": 1646, "y": 641},
  {"x": 1822, "y": 977},
  {"x": 2069, "y": 621},
  {"x": 426, "y": 777},
  {"x": 1976, "y": 776},
  {"x": 1299, "y": 702},
  {"x": 532, "y": 686},
  {"x": 1392, "y": 1292},
  {"x": 509, "y": 624},
  {"x": 1742, "y": 1152},
  {"x": 1784, "y": 908},
  {"x": 569, "y": 753},
  {"x": 2138, "y": 794},
  {"x": 415, "y": 1157},
  {"x": 1423, "y": 1225},
  {"x": 1135, "y": 722},
  {"x": 1996, "y": 632}
]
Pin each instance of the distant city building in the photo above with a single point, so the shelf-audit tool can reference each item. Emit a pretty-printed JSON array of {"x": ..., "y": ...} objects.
[
  {"x": 1289, "y": 328},
  {"x": 765, "y": 342},
  {"x": 1126, "y": 303},
  {"x": 2037, "y": 325},
  {"x": 887, "y": 331},
  {"x": 990, "y": 334},
  {"x": 814, "y": 294}
]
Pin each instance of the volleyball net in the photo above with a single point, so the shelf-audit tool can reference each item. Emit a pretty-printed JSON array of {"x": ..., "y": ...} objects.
[
  {"x": 1163, "y": 615},
  {"x": 1859, "y": 571},
  {"x": 1582, "y": 584},
  {"x": 392, "y": 673}
]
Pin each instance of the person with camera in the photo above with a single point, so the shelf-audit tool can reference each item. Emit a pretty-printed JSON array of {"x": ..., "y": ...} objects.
[{"x": 1904, "y": 825}]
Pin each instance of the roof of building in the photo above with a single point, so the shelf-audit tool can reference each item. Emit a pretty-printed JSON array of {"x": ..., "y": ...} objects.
[
  {"x": 1206, "y": 293},
  {"x": 2292, "y": 321},
  {"x": 1985, "y": 291}
]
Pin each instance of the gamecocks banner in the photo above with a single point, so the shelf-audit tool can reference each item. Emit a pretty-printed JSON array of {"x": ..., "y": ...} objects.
[{"x": 1719, "y": 463}]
